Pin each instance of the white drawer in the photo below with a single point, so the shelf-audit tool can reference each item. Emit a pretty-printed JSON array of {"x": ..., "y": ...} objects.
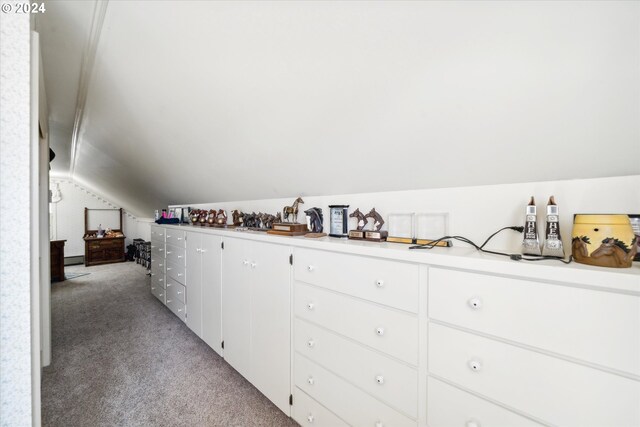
[
  {"x": 595, "y": 326},
  {"x": 175, "y": 291},
  {"x": 157, "y": 266},
  {"x": 175, "y": 238},
  {"x": 175, "y": 271},
  {"x": 392, "y": 382},
  {"x": 158, "y": 279},
  {"x": 551, "y": 389},
  {"x": 177, "y": 307},
  {"x": 347, "y": 401},
  {"x": 386, "y": 282},
  {"x": 159, "y": 293},
  {"x": 308, "y": 412},
  {"x": 450, "y": 406},
  {"x": 157, "y": 252},
  {"x": 175, "y": 254},
  {"x": 391, "y": 331},
  {"x": 157, "y": 234}
]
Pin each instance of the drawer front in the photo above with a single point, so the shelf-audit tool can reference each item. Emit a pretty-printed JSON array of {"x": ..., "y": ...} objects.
[
  {"x": 595, "y": 326},
  {"x": 386, "y": 282},
  {"x": 389, "y": 380},
  {"x": 450, "y": 406},
  {"x": 308, "y": 412},
  {"x": 175, "y": 271},
  {"x": 157, "y": 234},
  {"x": 175, "y": 291},
  {"x": 158, "y": 279},
  {"x": 159, "y": 293},
  {"x": 550, "y": 389},
  {"x": 393, "y": 332},
  {"x": 175, "y": 238},
  {"x": 158, "y": 266},
  {"x": 347, "y": 401},
  {"x": 157, "y": 251},
  {"x": 178, "y": 308},
  {"x": 175, "y": 254}
]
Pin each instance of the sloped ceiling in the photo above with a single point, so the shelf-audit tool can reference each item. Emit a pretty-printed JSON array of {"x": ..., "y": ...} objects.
[{"x": 216, "y": 101}]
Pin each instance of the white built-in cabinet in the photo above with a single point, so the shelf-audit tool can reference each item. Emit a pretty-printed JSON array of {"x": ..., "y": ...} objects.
[
  {"x": 379, "y": 336},
  {"x": 255, "y": 316}
]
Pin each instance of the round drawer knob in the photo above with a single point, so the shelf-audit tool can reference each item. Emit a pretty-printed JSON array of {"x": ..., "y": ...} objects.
[
  {"x": 475, "y": 303},
  {"x": 169, "y": 269},
  {"x": 472, "y": 423},
  {"x": 160, "y": 265},
  {"x": 179, "y": 238},
  {"x": 310, "y": 418},
  {"x": 153, "y": 289},
  {"x": 160, "y": 280},
  {"x": 179, "y": 310},
  {"x": 179, "y": 256},
  {"x": 379, "y": 424},
  {"x": 161, "y": 250},
  {"x": 310, "y": 305},
  {"x": 179, "y": 274},
  {"x": 311, "y": 343},
  {"x": 380, "y": 331},
  {"x": 168, "y": 237},
  {"x": 153, "y": 274},
  {"x": 380, "y": 283},
  {"x": 311, "y": 268},
  {"x": 169, "y": 252},
  {"x": 311, "y": 381},
  {"x": 475, "y": 365},
  {"x": 168, "y": 301},
  {"x": 153, "y": 247},
  {"x": 179, "y": 292},
  {"x": 380, "y": 379},
  {"x": 245, "y": 262},
  {"x": 198, "y": 250},
  {"x": 168, "y": 285},
  {"x": 253, "y": 265}
]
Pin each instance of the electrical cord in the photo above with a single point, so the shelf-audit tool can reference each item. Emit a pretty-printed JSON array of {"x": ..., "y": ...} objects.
[{"x": 515, "y": 257}]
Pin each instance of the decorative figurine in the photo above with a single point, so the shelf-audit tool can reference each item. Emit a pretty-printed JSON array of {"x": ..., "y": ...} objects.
[
  {"x": 237, "y": 217},
  {"x": 211, "y": 218},
  {"x": 361, "y": 221},
  {"x": 376, "y": 234},
  {"x": 603, "y": 240},
  {"x": 220, "y": 219},
  {"x": 267, "y": 220},
  {"x": 278, "y": 217},
  {"x": 315, "y": 219},
  {"x": 291, "y": 210},
  {"x": 202, "y": 218},
  {"x": 195, "y": 214}
]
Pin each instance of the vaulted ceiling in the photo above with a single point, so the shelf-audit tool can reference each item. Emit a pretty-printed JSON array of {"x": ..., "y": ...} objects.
[{"x": 169, "y": 102}]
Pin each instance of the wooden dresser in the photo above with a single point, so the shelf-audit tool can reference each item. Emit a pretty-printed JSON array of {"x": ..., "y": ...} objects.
[
  {"x": 102, "y": 250},
  {"x": 57, "y": 260}
]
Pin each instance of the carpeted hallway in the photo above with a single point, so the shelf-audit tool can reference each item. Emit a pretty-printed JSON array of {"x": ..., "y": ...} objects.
[{"x": 120, "y": 358}]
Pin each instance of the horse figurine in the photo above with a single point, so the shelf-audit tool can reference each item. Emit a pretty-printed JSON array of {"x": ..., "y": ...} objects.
[
  {"x": 195, "y": 215},
  {"x": 237, "y": 217},
  {"x": 202, "y": 217},
  {"x": 377, "y": 219},
  {"x": 315, "y": 219},
  {"x": 278, "y": 217},
  {"x": 360, "y": 218},
  {"x": 211, "y": 218},
  {"x": 267, "y": 220},
  {"x": 221, "y": 217},
  {"x": 291, "y": 210}
]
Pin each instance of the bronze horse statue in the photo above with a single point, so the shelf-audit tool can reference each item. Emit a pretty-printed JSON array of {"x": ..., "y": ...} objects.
[
  {"x": 291, "y": 210},
  {"x": 315, "y": 219},
  {"x": 237, "y": 217},
  {"x": 377, "y": 219},
  {"x": 360, "y": 218}
]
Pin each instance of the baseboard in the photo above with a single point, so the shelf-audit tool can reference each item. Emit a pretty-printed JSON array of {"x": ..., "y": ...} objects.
[{"x": 74, "y": 260}]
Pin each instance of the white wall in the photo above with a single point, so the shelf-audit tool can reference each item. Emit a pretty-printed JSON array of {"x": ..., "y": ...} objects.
[
  {"x": 476, "y": 212},
  {"x": 68, "y": 216}
]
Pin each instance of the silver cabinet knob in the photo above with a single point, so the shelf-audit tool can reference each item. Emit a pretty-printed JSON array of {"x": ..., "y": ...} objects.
[
  {"x": 245, "y": 262},
  {"x": 202, "y": 250},
  {"x": 380, "y": 379},
  {"x": 161, "y": 294},
  {"x": 153, "y": 289},
  {"x": 380, "y": 331},
  {"x": 153, "y": 247},
  {"x": 198, "y": 250},
  {"x": 168, "y": 237},
  {"x": 179, "y": 292},
  {"x": 160, "y": 234},
  {"x": 179, "y": 274},
  {"x": 475, "y": 303},
  {"x": 160, "y": 250},
  {"x": 475, "y": 365},
  {"x": 310, "y": 305},
  {"x": 169, "y": 268},
  {"x": 169, "y": 252},
  {"x": 472, "y": 423},
  {"x": 179, "y": 238},
  {"x": 253, "y": 265},
  {"x": 153, "y": 274},
  {"x": 311, "y": 381},
  {"x": 160, "y": 265},
  {"x": 311, "y": 343},
  {"x": 179, "y": 256},
  {"x": 168, "y": 285},
  {"x": 379, "y": 424},
  {"x": 310, "y": 418},
  {"x": 311, "y": 268},
  {"x": 179, "y": 310},
  {"x": 168, "y": 301},
  {"x": 380, "y": 283},
  {"x": 160, "y": 280}
]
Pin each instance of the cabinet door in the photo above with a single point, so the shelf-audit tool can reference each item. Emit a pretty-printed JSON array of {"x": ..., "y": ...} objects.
[
  {"x": 193, "y": 283},
  {"x": 236, "y": 314},
  {"x": 271, "y": 322},
  {"x": 211, "y": 292}
]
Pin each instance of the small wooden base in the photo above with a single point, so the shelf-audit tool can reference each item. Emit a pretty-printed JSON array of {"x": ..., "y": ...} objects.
[
  {"x": 289, "y": 229},
  {"x": 376, "y": 236},
  {"x": 356, "y": 235},
  {"x": 315, "y": 235}
]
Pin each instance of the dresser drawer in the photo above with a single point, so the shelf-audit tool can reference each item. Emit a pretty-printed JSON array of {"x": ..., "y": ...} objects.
[
  {"x": 159, "y": 293},
  {"x": 556, "y": 391},
  {"x": 158, "y": 279},
  {"x": 175, "y": 271},
  {"x": 450, "y": 406},
  {"x": 175, "y": 238},
  {"x": 157, "y": 234},
  {"x": 157, "y": 251},
  {"x": 175, "y": 291},
  {"x": 391, "y": 331},
  {"x": 308, "y": 412},
  {"x": 177, "y": 307},
  {"x": 387, "y": 379},
  {"x": 391, "y": 283},
  {"x": 595, "y": 326},
  {"x": 347, "y": 401},
  {"x": 175, "y": 254}
]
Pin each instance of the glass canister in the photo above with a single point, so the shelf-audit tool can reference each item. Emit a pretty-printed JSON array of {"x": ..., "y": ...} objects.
[{"x": 603, "y": 240}]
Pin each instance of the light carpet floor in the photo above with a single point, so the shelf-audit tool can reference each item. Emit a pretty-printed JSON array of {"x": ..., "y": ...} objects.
[{"x": 120, "y": 358}]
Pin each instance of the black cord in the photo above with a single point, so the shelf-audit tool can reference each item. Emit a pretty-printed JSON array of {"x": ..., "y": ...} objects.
[{"x": 516, "y": 257}]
